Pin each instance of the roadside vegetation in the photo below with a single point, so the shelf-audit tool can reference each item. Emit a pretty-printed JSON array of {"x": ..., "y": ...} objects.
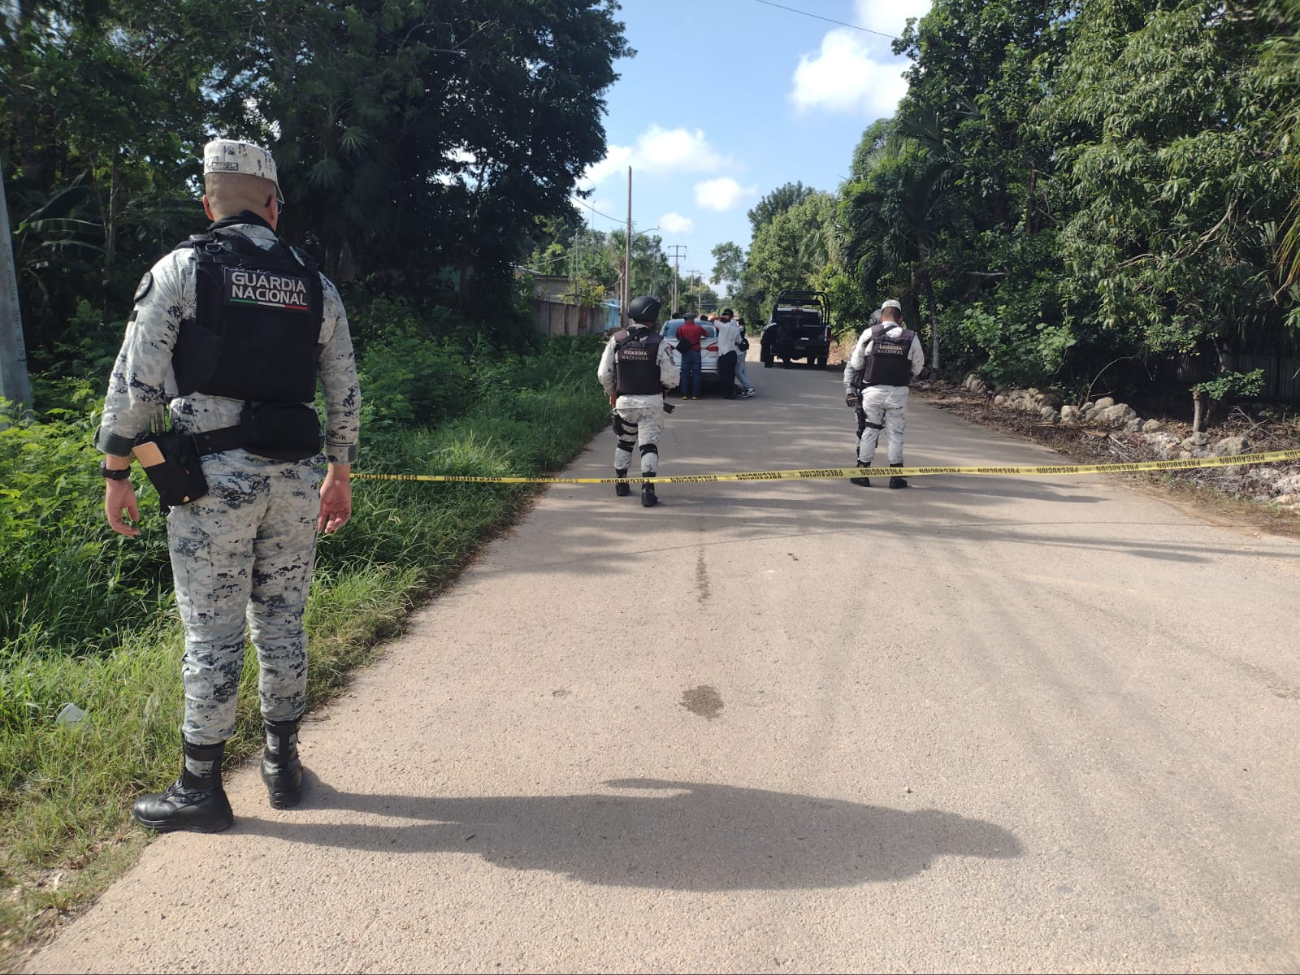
[
  {"x": 424, "y": 149},
  {"x": 1093, "y": 195},
  {"x": 89, "y": 629}
]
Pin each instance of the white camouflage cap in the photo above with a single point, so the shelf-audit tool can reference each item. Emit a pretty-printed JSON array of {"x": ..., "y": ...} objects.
[
  {"x": 891, "y": 303},
  {"x": 233, "y": 156}
]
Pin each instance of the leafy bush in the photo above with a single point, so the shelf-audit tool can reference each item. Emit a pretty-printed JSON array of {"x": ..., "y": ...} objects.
[
  {"x": 67, "y": 582},
  {"x": 408, "y": 380},
  {"x": 1230, "y": 384},
  {"x": 1017, "y": 351}
]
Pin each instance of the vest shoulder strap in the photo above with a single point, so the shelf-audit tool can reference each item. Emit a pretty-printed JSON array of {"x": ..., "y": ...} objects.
[
  {"x": 211, "y": 248},
  {"x": 878, "y": 331},
  {"x": 308, "y": 262}
]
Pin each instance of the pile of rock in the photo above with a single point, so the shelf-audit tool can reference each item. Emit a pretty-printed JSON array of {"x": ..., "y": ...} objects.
[
  {"x": 1153, "y": 438},
  {"x": 1046, "y": 404},
  {"x": 1105, "y": 413}
]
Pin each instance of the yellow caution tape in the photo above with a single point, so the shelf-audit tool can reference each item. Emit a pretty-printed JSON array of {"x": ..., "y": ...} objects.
[{"x": 1193, "y": 463}]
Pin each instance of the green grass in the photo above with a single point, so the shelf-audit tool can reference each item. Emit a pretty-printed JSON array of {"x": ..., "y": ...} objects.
[{"x": 65, "y": 791}]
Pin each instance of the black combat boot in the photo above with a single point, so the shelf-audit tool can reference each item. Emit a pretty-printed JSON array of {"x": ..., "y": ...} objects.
[
  {"x": 195, "y": 802},
  {"x": 897, "y": 482},
  {"x": 861, "y": 481},
  {"x": 281, "y": 770},
  {"x": 648, "y": 498},
  {"x": 622, "y": 490}
]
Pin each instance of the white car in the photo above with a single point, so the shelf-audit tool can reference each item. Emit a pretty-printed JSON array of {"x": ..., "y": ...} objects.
[{"x": 708, "y": 347}]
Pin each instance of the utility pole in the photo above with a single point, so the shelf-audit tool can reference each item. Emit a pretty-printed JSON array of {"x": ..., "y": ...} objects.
[
  {"x": 699, "y": 290},
  {"x": 573, "y": 266},
  {"x": 14, "y": 384},
  {"x": 677, "y": 263},
  {"x": 627, "y": 252}
]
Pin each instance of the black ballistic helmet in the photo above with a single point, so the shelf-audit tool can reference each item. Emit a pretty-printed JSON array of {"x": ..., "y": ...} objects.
[{"x": 644, "y": 309}]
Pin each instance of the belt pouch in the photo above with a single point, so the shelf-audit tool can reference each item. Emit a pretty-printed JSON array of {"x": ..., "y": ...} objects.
[{"x": 281, "y": 431}]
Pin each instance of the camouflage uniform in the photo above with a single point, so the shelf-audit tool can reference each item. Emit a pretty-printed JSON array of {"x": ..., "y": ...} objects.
[
  {"x": 640, "y": 417},
  {"x": 246, "y": 548}
]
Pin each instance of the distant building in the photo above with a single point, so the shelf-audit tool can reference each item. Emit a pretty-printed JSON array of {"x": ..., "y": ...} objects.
[{"x": 556, "y": 313}]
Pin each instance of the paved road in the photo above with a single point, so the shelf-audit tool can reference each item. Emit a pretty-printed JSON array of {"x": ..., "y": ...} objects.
[{"x": 995, "y": 724}]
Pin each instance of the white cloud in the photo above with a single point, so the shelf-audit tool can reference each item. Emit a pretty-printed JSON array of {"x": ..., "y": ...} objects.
[
  {"x": 723, "y": 193},
  {"x": 659, "y": 150},
  {"x": 855, "y": 72},
  {"x": 888, "y": 16},
  {"x": 617, "y": 159},
  {"x": 844, "y": 77},
  {"x": 675, "y": 223}
]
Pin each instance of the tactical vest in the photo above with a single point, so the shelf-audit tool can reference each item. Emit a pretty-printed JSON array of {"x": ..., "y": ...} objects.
[
  {"x": 636, "y": 365},
  {"x": 257, "y": 324},
  {"x": 889, "y": 363}
]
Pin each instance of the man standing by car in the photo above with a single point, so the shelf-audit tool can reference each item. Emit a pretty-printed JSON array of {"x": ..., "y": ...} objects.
[
  {"x": 690, "y": 336},
  {"x": 742, "y": 367},
  {"x": 886, "y": 359},
  {"x": 732, "y": 337},
  {"x": 728, "y": 339},
  {"x": 229, "y": 334},
  {"x": 636, "y": 370}
]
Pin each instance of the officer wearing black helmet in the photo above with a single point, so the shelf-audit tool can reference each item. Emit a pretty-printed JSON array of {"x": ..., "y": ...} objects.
[{"x": 636, "y": 369}]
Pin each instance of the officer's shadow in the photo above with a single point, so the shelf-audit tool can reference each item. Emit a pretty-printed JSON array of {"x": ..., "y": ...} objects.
[{"x": 667, "y": 835}]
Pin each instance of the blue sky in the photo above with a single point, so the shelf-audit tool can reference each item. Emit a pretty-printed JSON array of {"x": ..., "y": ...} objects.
[{"x": 728, "y": 99}]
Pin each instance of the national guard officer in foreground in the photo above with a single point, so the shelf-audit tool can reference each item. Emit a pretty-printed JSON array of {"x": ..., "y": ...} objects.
[
  {"x": 886, "y": 359},
  {"x": 638, "y": 367},
  {"x": 228, "y": 334}
]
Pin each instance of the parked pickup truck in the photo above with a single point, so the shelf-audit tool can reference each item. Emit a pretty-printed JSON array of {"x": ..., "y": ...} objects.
[{"x": 798, "y": 328}]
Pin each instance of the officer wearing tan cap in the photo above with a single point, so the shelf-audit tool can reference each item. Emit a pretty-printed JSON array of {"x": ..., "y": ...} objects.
[{"x": 229, "y": 335}]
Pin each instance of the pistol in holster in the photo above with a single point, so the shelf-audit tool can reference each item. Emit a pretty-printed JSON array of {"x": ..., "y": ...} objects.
[{"x": 172, "y": 463}]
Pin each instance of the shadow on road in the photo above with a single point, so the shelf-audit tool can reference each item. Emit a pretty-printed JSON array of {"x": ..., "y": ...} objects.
[{"x": 667, "y": 835}]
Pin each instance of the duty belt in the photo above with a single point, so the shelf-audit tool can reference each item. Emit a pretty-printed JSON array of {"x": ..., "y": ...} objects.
[{"x": 219, "y": 441}]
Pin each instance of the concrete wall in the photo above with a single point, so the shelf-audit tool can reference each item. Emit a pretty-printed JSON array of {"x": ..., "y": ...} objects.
[{"x": 559, "y": 318}]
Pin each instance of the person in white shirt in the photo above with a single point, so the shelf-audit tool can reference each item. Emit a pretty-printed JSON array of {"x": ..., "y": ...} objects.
[
  {"x": 886, "y": 359},
  {"x": 728, "y": 341},
  {"x": 731, "y": 338}
]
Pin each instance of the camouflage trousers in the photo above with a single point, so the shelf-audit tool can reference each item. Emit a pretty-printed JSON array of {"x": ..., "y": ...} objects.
[
  {"x": 245, "y": 552},
  {"x": 638, "y": 425}
]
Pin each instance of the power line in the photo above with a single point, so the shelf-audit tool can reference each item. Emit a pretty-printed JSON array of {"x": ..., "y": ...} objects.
[
  {"x": 578, "y": 199},
  {"x": 840, "y": 23}
]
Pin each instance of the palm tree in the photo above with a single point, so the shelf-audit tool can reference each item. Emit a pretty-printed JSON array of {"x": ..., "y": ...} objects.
[{"x": 895, "y": 213}]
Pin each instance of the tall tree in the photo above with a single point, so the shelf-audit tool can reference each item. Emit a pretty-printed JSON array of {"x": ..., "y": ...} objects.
[
  {"x": 728, "y": 265},
  {"x": 896, "y": 213},
  {"x": 418, "y": 142},
  {"x": 792, "y": 250},
  {"x": 777, "y": 202},
  {"x": 1179, "y": 184}
]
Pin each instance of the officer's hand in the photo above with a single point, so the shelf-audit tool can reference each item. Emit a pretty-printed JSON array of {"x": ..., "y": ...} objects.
[
  {"x": 851, "y": 400},
  {"x": 335, "y": 499},
  {"x": 119, "y": 496}
]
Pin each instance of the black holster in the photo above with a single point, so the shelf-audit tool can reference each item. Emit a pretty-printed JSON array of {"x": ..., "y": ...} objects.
[{"x": 179, "y": 478}]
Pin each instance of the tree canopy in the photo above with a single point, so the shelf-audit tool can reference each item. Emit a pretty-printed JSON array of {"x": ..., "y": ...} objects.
[
  {"x": 1068, "y": 185},
  {"x": 417, "y": 141}
]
